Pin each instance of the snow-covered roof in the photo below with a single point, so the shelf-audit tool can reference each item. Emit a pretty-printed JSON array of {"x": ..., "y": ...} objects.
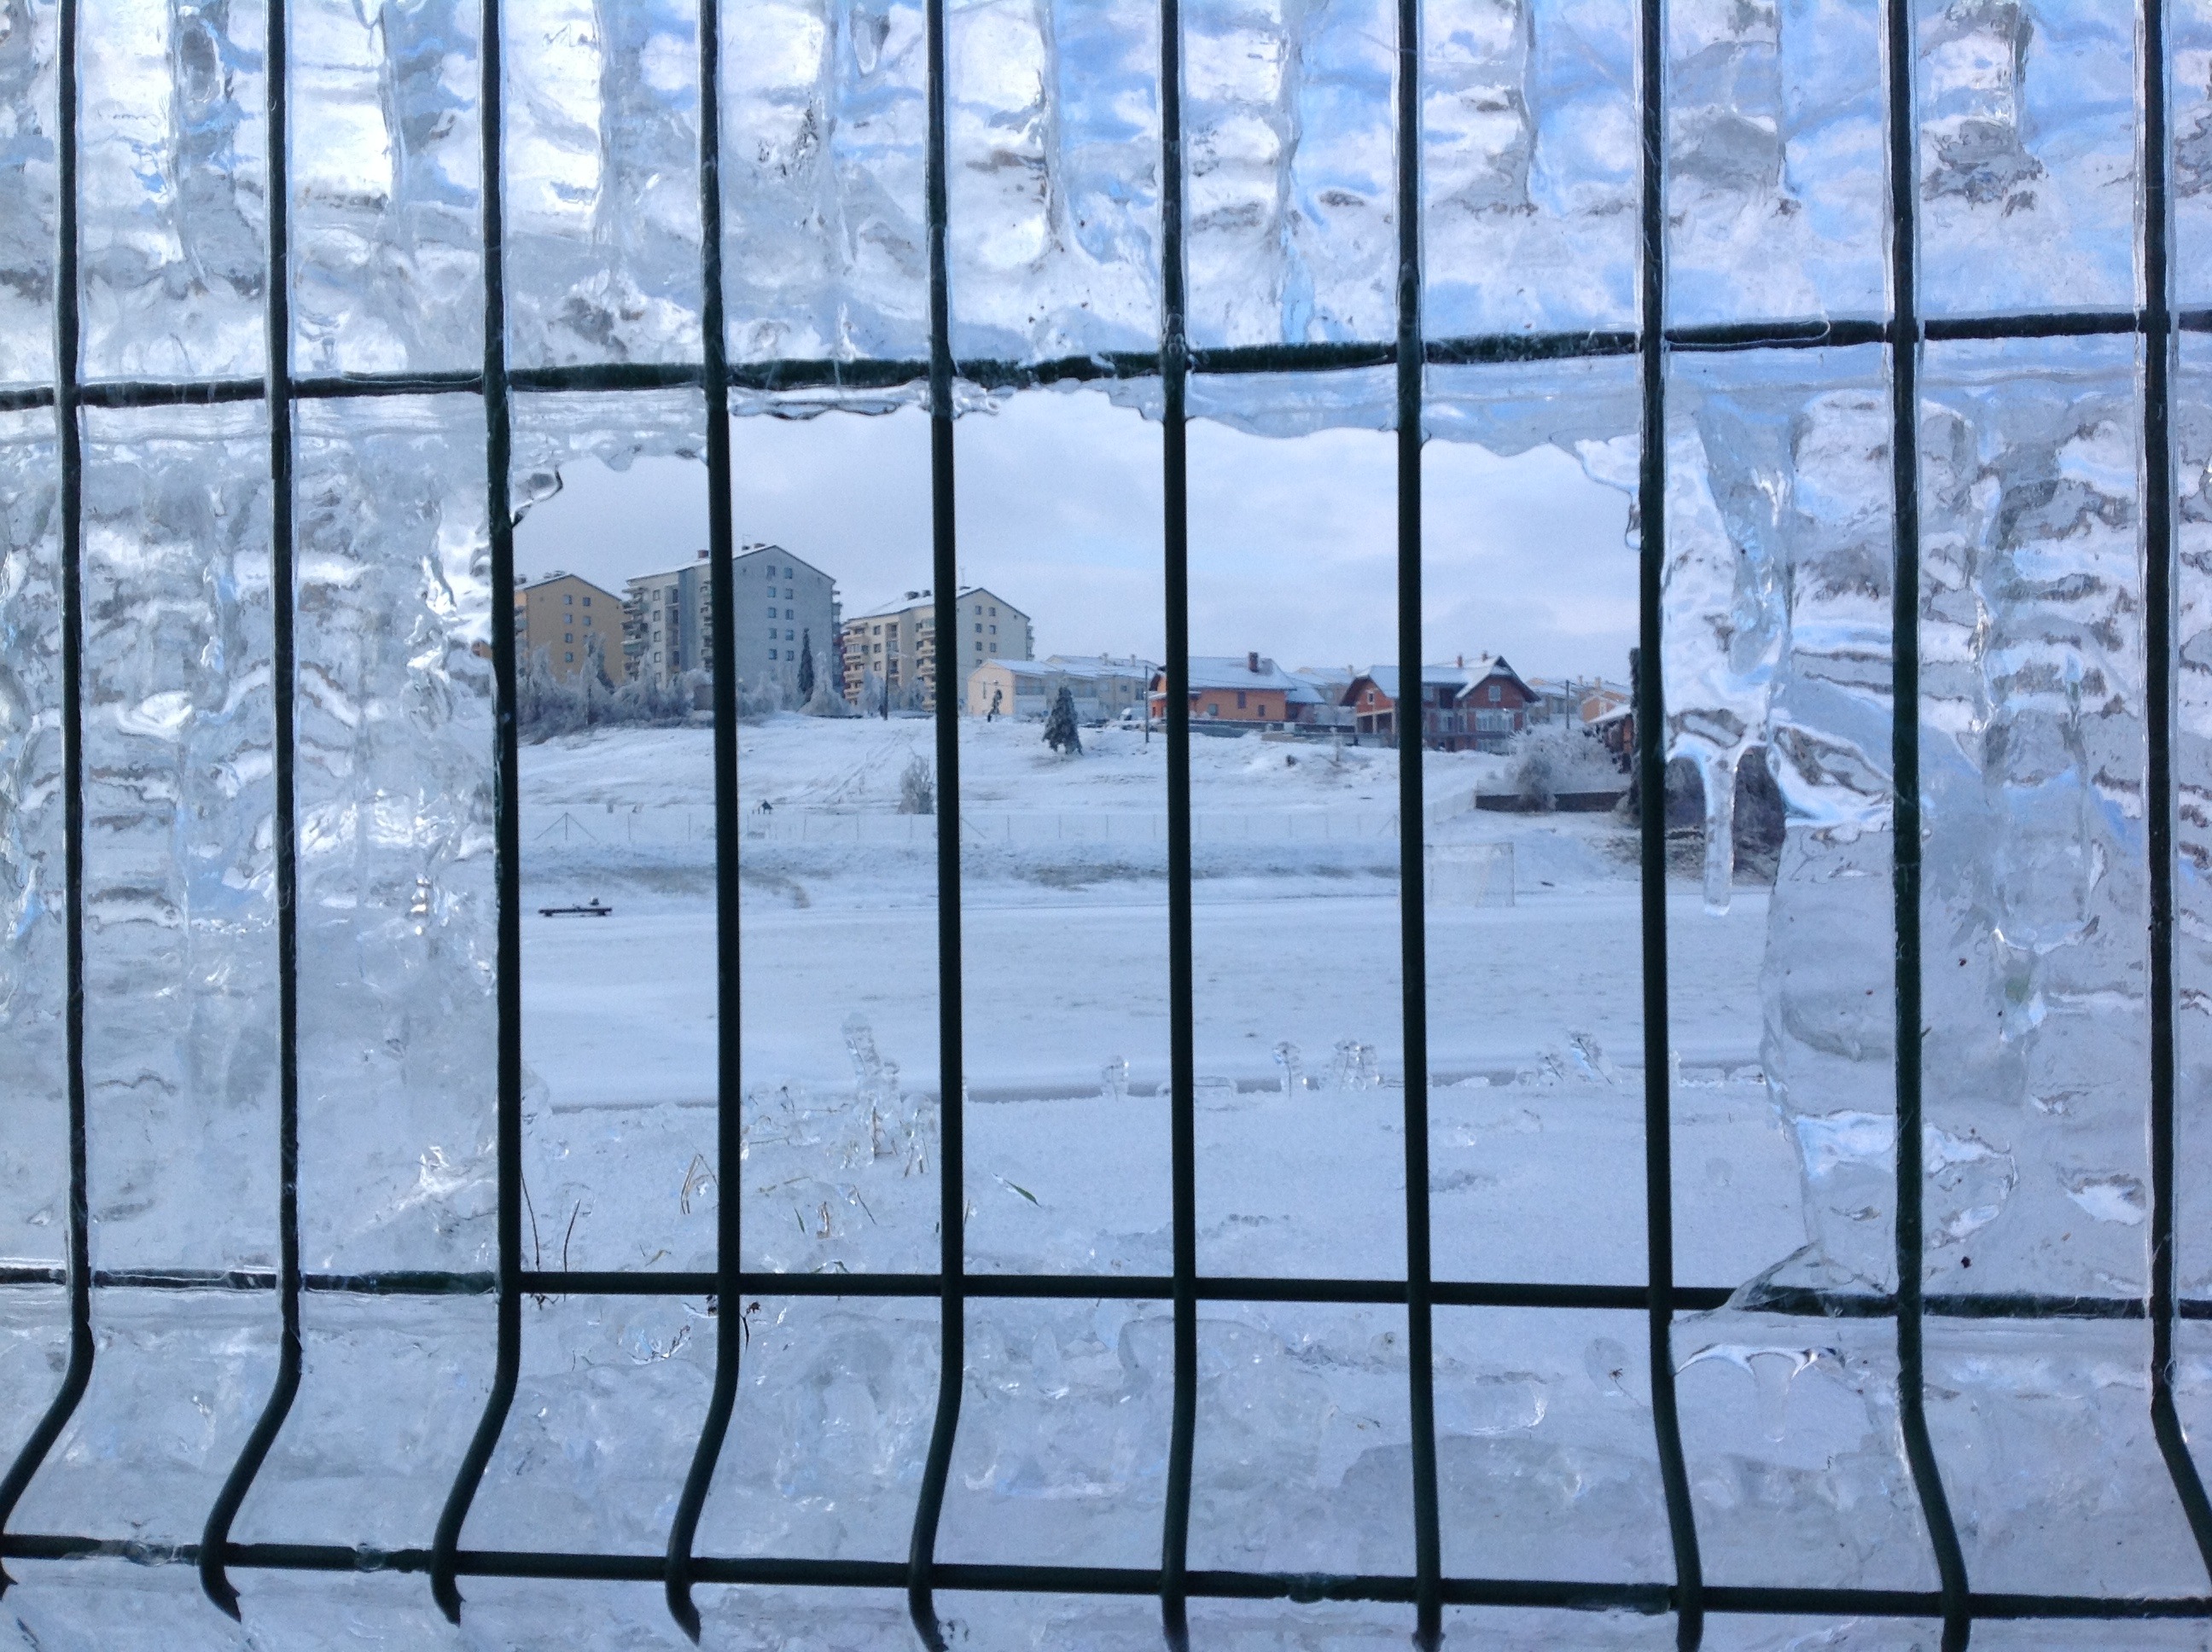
[
  {"x": 559, "y": 574},
  {"x": 1457, "y": 677},
  {"x": 1081, "y": 670},
  {"x": 1219, "y": 672},
  {"x": 923, "y": 599}
]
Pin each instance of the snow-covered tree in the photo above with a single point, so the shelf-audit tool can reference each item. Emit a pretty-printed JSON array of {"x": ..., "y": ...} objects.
[
  {"x": 805, "y": 666},
  {"x": 917, "y": 788},
  {"x": 1059, "y": 731}
]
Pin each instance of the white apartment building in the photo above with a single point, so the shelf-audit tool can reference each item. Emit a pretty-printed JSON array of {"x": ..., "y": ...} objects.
[
  {"x": 782, "y": 606},
  {"x": 898, "y": 643}
]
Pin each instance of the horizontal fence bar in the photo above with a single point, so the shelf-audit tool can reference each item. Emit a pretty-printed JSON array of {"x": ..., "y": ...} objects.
[
  {"x": 1569, "y": 1594},
  {"x": 800, "y": 374},
  {"x": 1794, "y": 1303}
]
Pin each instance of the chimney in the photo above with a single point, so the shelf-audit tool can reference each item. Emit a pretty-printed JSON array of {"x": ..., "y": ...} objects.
[
  {"x": 1252, "y": 662},
  {"x": 702, "y": 556},
  {"x": 1462, "y": 662}
]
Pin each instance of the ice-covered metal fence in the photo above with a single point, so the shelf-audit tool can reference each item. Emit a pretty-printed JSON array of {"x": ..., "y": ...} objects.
[{"x": 1900, "y": 334}]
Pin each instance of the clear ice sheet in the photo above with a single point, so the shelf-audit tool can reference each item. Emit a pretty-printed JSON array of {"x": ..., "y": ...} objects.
[
  {"x": 1775, "y": 178},
  {"x": 2027, "y": 155},
  {"x": 602, "y": 161},
  {"x": 33, "y": 981},
  {"x": 180, "y": 908},
  {"x": 1290, "y": 229},
  {"x": 2192, "y": 782},
  {"x": 95, "y": 1606},
  {"x": 1530, "y": 165},
  {"x": 2035, "y": 907},
  {"x": 177, "y": 1379},
  {"x": 28, "y": 217},
  {"x": 394, "y": 798},
  {"x": 174, "y": 186},
  {"x": 386, "y": 167}
]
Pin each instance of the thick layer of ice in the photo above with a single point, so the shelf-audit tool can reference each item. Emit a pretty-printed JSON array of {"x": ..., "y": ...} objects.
[
  {"x": 33, "y": 978},
  {"x": 26, "y": 191},
  {"x": 386, "y": 165},
  {"x": 2028, "y": 132},
  {"x": 396, "y": 944},
  {"x": 2035, "y": 911},
  {"x": 179, "y": 896},
  {"x": 602, "y": 160},
  {"x": 174, "y": 183},
  {"x": 2192, "y": 781}
]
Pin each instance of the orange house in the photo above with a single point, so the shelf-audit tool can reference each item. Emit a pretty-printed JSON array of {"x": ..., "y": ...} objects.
[{"x": 1224, "y": 689}]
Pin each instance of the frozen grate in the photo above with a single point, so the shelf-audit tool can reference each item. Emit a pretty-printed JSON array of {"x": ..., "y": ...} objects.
[{"x": 1427, "y": 1589}]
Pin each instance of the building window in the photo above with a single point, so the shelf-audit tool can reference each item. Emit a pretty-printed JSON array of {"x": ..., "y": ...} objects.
[
  {"x": 568, "y": 658},
  {"x": 1497, "y": 694},
  {"x": 1240, "y": 700}
]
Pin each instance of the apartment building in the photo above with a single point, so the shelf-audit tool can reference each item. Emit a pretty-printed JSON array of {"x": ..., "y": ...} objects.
[
  {"x": 562, "y": 621},
  {"x": 897, "y": 644},
  {"x": 783, "y": 605}
]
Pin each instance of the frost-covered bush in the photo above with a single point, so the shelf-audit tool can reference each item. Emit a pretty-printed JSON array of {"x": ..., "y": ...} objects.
[
  {"x": 756, "y": 699},
  {"x": 548, "y": 705},
  {"x": 826, "y": 701},
  {"x": 917, "y": 788},
  {"x": 1556, "y": 758}
]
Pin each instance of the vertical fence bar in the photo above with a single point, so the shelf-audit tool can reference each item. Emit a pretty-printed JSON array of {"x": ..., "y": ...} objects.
[
  {"x": 1905, "y": 759},
  {"x": 215, "y": 1537},
  {"x": 1412, "y": 914},
  {"x": 951, "y": 1088},
  {"x": 1650, "y": 691},
  {"x": 507, "y": 830},
  {"x": 2159, "y": 551},
  {"x": 1175, "y": 670},
  {"x": 68, "y": 439},
  {"x": 729, "y": 1095}
]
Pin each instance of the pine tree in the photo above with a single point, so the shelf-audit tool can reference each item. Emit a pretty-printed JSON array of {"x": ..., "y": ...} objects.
[
  {"x": 805, "y": 666},
  {"x": 1059, "y": 732}
]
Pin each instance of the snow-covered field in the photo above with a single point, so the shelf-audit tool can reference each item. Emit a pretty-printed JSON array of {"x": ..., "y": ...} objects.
[{"x": 1534, "y": 990}]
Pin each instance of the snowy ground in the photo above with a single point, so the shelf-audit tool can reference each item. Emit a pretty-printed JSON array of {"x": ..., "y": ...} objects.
[{"x": 1297, "y": 944}]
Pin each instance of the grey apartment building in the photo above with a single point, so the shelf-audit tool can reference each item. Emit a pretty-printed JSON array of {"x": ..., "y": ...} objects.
[{"x": 783, "y": 603}]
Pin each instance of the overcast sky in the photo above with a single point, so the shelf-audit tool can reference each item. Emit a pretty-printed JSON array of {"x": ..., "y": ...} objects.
[{"x": 1293, "y": 540}]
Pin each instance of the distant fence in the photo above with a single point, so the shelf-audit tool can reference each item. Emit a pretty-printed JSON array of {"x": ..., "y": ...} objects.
[{"x": 656, "y": 825}]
